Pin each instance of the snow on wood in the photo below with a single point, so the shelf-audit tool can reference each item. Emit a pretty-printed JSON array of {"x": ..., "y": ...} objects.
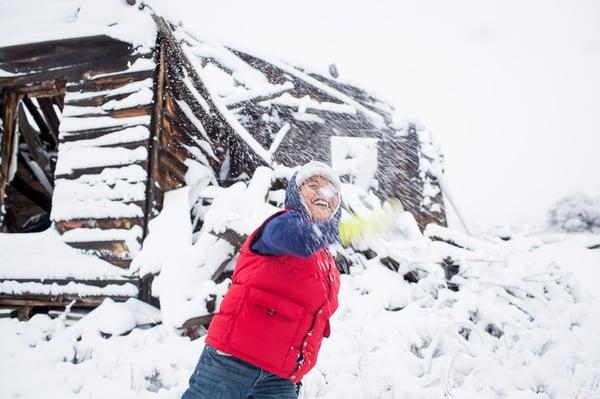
[
  {"x": 243, "y": 73},
  {"x": 307, "y": 117},
  {"x": 132, "y": 87},
  {"x": 87, "y": 157},
  {"x": 242, "y": 132},
  {"x": 76, "y": 190},
  {"x": 139, "y": 98},
  {"x": 110, "y": 175},
  {"x": 140, "y": 64},
  {"x": 45, "y": 255},
  {"x": 128, "y": 135},
  {"x": 305, "y": 103},
  {"x": 279, "y": 136},
  {"x": 69, "y": 209},
  {"x": 377, "y": 119},
  {"x": 72, "y": 288},
  {"x": 74, "y": 124},
  {"x": 187, "y": 111},
  {"x": 187, "y": 81},
  {"x": 264, "y": 91},
  {"x": 12, "y": 170},
  {"x": 231, "y": 119},
  {"x": 130, "y": 236}
]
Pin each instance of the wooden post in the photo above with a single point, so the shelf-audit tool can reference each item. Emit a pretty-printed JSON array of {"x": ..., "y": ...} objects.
[
  {"x": 6, "y": 148},
  {"x": 155, "y": 132}
]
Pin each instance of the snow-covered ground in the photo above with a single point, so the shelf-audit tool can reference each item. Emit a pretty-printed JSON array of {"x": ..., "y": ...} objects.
[{"x": 524, "y": 322}]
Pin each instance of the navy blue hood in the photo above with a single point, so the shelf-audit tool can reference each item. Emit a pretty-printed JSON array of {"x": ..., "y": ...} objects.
[{"x": 293, "y": 201}]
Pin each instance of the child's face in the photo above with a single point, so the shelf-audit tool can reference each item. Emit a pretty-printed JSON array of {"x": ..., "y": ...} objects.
[{"x": 320, "y": 196}]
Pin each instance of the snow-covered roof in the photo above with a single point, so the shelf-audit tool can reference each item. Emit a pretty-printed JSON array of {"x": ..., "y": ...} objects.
[
  {"x": 31, "y": 21},
  {"x": 266, "y": 100}
]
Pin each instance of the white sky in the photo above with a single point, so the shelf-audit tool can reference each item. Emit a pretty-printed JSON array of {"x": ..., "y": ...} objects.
[{"x": 510, "y": 89}]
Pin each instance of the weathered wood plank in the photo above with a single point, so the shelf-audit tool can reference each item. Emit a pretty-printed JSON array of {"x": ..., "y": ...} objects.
[
  {"x": 168, "y": 181},
  {"x": 72, "y": 73},
  {"x": 48, "y": 88},
  {"x": 141, "y": 110},
  {"x": 93, "y": 133},
  {"x": 36, "y": 114},
  {"x": 152, "y": 200},
  {"x": 10, "y": 101},
  {"x": 172, "y": 165},
  {"x": 99, "y": 282},
  {"x": 48, "y": 111},
  {"x": 110, "y": 82},
  {"x": 97, "y": 101},
  {"x": 35, "y": 145},
  {"x": 115, "y": 252},
  {"x": 105, "y": 223},
  {"x": 78, "y": 172},
  {"x": 26, "y": 299},
  {"x": 28, "y": 58}
]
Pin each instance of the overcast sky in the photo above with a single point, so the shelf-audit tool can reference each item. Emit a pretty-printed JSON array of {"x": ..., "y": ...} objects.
[{"x": 510, "y": 89}]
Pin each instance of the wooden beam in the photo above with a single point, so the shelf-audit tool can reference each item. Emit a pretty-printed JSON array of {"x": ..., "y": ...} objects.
[
  {"x": 81, "y": 72},
  {"x": 102, "y": 223},
  {"x": 155, "y": 132},
  {"x": 50, "y": 116},
  {"x": 24, "y": 186},
  {"x": 118, "y": 248},
  {"x": 96, "y": 170},
  {"x": 93, "y": 133},
  {"x": 10, "y": 108},
  {"x": 47, "y": 88},
  {"x": 28, "y": 58},
  {"x": 26, "y": 299},
  {"x": 110, "y": 82},
  {"x": 97, "y": 101},
  {"x": 35, "y": 145},
  {"x": 34, "y": 111}
]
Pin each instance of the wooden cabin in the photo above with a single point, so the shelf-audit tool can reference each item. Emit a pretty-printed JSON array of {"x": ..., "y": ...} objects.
[{"x": 96, "y": 128}]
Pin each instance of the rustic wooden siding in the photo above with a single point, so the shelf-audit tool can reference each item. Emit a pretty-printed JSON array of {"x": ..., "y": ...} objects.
[{"x": 102, "y": 167}]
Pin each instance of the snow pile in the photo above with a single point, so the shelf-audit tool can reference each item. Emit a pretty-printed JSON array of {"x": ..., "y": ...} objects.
[
  {"x": 185, "y": 266},
  {"x": 523, "y": 323},
  {"x": 45, "y": 255},
  {"x": 182, "y": 285},
  {"x": 576, "y": 213}
]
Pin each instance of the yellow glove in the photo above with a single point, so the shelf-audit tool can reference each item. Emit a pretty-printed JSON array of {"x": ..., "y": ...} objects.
[{"x": 355, "y": 227}]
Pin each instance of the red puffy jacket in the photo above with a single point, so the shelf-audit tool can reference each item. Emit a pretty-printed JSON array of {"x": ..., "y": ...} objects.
[{"x": 277, "y": 310}]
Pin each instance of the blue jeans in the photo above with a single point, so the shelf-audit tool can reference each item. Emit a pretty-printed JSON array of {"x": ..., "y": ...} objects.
[{"x": 226, "y": 377}]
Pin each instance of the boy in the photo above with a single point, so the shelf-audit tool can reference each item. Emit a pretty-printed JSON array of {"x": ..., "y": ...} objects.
[{"x": 269, "y": 328}]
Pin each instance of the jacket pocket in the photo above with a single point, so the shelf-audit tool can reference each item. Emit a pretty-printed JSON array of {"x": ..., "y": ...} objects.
[{"x": 266, "y": 326}]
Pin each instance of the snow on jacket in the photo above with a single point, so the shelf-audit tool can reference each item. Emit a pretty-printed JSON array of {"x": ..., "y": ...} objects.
[{"x": 277, "y": 309}]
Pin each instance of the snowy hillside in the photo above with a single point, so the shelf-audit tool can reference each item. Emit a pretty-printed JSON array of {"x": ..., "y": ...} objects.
[{"x": 516, "y": 319}]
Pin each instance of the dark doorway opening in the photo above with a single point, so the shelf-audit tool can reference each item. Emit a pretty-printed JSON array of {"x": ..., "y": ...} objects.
[{"x": 31, "y": 162}]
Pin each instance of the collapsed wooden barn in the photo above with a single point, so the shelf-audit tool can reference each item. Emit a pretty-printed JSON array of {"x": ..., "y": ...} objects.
[{"x": 96, "y": 128}]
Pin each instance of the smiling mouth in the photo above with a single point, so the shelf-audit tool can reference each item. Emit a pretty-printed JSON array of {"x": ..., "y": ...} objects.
[{"x": 321, "y": 203}]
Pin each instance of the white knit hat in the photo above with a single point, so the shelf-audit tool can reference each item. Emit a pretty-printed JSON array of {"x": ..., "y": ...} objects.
[{"x": 316, "y": 168}]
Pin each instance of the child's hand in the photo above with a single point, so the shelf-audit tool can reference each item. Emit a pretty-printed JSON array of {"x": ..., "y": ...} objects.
[{"x": 355, "y": 228}]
